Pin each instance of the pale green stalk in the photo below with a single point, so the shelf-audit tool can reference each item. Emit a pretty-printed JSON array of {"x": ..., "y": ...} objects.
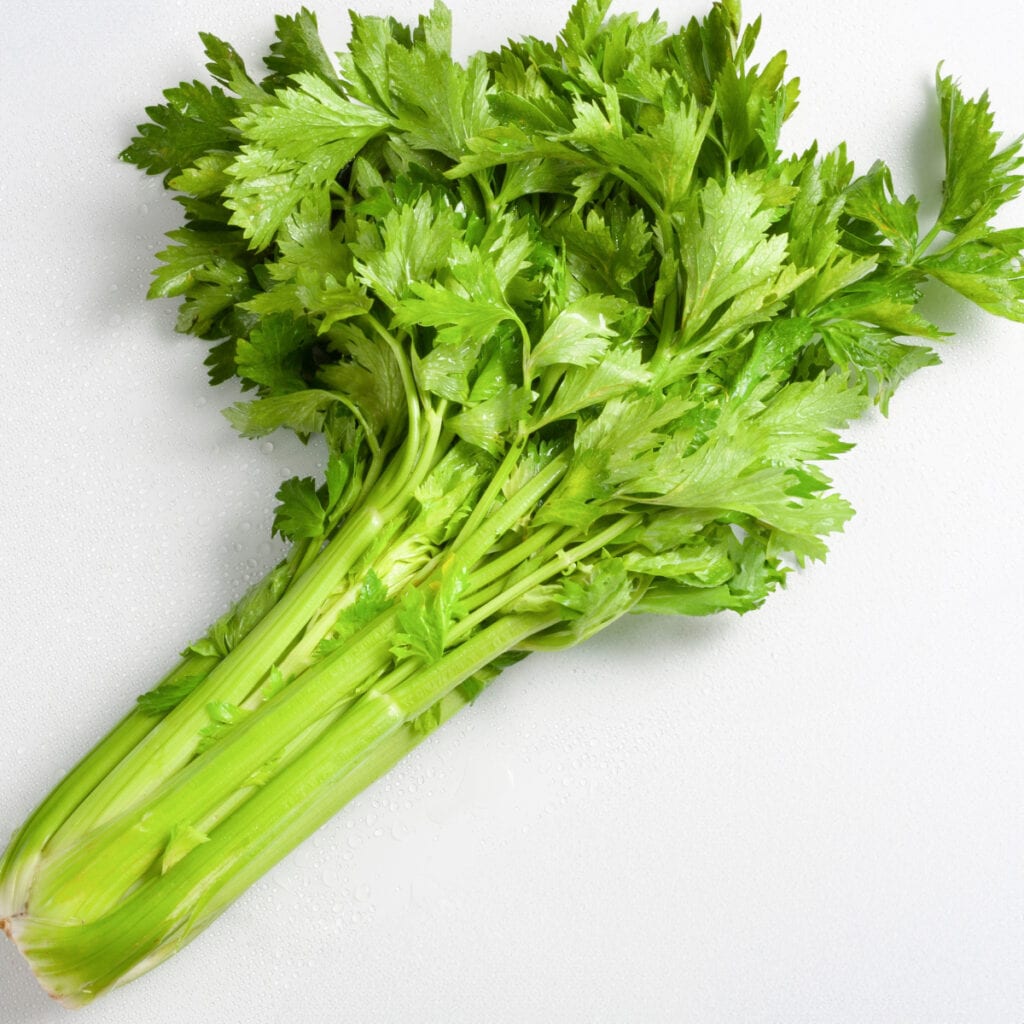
[{"x": 78, "y": 961}]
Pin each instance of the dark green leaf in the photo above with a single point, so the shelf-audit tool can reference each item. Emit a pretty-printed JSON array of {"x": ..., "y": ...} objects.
[
  {"x": 299, "y": 514},
  {"x": 194, "y": 121}
]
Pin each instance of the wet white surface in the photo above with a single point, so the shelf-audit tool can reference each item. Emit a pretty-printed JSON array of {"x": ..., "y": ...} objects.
[{"x": 810, "y": 814}]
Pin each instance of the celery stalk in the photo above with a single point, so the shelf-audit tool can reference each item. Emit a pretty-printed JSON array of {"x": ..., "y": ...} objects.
[{"x": 78, "y": 956}]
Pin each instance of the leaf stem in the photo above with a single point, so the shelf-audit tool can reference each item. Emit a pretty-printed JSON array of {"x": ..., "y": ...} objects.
[{"x": 560, "y": 561}]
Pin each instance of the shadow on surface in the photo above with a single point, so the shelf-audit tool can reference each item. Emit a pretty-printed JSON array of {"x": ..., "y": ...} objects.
[{"x": 22, "y": 1000}]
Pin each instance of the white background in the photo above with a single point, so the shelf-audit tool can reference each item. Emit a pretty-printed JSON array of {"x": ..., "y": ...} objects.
[{"x": 812, "y": 814}]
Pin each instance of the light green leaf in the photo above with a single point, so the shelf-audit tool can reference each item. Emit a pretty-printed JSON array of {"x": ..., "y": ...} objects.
[
  {"x": 596, "y": 596},
  {"x": 370, "y": 378},
  {"x": 301, "y": 411},
  {"x": 579, "y": 334},
  {"x": 871, "y": 198},
  {"x": 985, "y": 273},
  {"x": 620, "y": 371},
  {"x": 294, "y": 147},
  {"x": 728, "y": 255},
  {"x": 489, "y": 424},
  {"x": 416, "y": 242},
  {"x": 979, "y": 177}
]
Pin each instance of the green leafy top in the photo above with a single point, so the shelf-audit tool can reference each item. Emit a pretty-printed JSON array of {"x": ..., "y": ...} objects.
[{"x": 587, "y": 255}]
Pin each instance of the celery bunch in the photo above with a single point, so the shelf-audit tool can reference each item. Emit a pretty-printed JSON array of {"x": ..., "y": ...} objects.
[{"x": 577, "y": 335}]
